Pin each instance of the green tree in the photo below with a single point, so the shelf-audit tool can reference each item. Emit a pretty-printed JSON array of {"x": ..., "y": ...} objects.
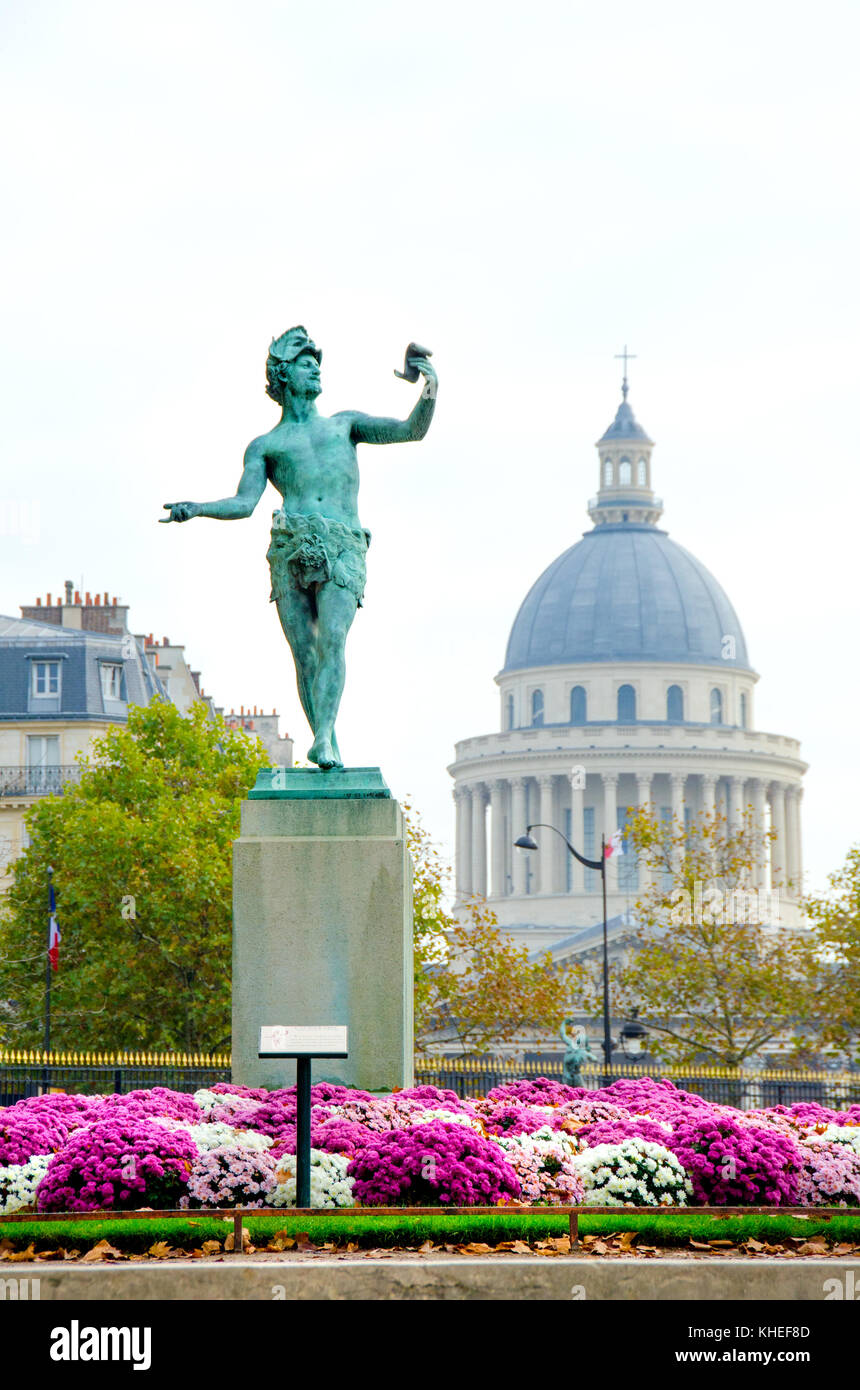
[
  {"x": 835, "y": 922},
  {"x": 471, "y": 980},
  {"x": 712, "y": 975},
  {"x": 141, "y": 852}
]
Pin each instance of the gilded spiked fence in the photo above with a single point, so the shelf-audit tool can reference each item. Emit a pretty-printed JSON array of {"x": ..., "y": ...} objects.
[{"x": 28, "y": 1071}]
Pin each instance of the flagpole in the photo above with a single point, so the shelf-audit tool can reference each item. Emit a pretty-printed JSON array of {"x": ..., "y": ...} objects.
[
  {"x": 607, "y": 1035},
  {"x": 47, "y": 1039},
  {"x": 47, "y": 962}
]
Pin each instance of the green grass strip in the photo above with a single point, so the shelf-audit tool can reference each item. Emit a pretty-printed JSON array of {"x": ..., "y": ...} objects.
[{"x": 370, "y": 1229}]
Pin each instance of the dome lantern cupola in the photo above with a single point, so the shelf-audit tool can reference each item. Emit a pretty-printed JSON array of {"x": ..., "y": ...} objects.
[{"x": 625, "y": 495}]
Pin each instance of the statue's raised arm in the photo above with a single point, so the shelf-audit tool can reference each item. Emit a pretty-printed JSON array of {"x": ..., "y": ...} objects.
[
  {"x": 318, "y": 545},
  {"x": 380, "y": 429}
]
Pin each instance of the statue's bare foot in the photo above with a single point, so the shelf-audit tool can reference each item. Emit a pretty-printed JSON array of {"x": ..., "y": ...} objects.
[{"x": 323, "y": 754}]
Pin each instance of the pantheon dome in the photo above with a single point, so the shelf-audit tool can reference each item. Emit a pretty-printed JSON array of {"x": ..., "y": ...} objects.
[{"x": 626, "y": 681}]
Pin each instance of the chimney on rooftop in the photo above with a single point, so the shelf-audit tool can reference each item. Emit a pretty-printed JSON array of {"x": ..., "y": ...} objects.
[
  {"x": 69, "y": 587},
  {"x": 38, "y": 603},
  {"x": 98, "y": 600}
]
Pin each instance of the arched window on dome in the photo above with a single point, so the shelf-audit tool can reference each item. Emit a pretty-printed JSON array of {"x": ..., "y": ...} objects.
[
  {"x": 675, "y": 704},
  {"x": 743, "y": 710},
  {"x": 578, "y": 705},
  {"x": 716, "y": 706},
  {"x": 537, "y": 708},
  {"x": 625, "y": 472},
  {"x": 626, "y": 704},
  {"x": 607, "y": 472},
  {"x": 642, "y": 473},
  {"x": 509, "y": 712}
]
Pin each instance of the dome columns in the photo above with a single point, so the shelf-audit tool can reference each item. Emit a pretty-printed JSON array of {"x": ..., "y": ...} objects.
[
  {"x": 497, "y": 843},
  {"x": 463, "y": 808},
  {"x": 757, "y": 788},
  {"x": 584, "y": 809},
  {"x": 519, "y": 863},
  {"x": 778, "y": 847},
  {"x": 794, "y": 840},
  {"x": 479, "y": 840}
]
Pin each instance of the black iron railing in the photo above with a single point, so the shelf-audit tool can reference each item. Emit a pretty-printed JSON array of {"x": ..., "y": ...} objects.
[{"x": 36, "y": 781}]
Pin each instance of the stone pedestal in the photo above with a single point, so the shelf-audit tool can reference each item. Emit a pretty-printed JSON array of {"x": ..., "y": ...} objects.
[{"x": 322, "y": 929}]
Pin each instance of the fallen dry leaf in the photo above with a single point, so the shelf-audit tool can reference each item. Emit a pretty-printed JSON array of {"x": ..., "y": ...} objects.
[
  {"x": 280, "y": 1241},
  {"x": 844, "y": 1249},
  {"x": 102, "y": 1250},
  {"x": 352, "y": 1246},
  {"x": 6, "y": 1248},
  {"x": 72, "y": 1254},
  {"x": 230, "y": 1242},
  {"x": 15, "y": 1257},
  {"x": 626, "y": 1239},
  {"x": 303, "y": 1241},
  {"x": 517, "y": 1247},
  {"x": 729, "y": 1243},
  {"x": 646, "y": 1250},
  {"x": 754, "y": 1245},
  {"x": 160, "y": 1250},
  {"x": 699, "y": 1244},
  {"x": 474, "y": 1248},
  {"x": 816, "y": 1246},
  {"x": 211, "y": 1247},
  {"x": 422, "y": 1249}
]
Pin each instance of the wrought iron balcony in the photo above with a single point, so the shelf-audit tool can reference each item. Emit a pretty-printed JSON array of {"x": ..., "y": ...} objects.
[{"x": 36, "y": 781}]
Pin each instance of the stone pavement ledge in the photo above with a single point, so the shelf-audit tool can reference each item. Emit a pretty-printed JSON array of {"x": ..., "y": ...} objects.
[{"x": 451, "y": 1278}]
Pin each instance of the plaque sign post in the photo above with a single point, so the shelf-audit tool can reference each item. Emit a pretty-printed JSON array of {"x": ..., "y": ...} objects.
[{"x": 303, "y": 1043}]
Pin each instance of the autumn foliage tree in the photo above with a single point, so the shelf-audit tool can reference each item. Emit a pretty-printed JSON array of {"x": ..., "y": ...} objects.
[
  {"x": 713, "y": 976},
  {"x": 835, "y": 920},
  {"x": 472, "y": 984},
  {"x": 141, "y": 853}
]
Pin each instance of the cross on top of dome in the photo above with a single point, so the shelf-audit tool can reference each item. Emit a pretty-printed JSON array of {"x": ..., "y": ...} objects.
[{"x": 624, "y": 356}]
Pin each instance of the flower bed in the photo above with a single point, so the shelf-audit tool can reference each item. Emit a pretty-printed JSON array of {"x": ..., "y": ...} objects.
[{"x": 636, "y": 1142}]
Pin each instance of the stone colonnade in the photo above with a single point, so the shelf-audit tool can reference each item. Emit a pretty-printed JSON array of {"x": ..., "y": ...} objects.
[{"x": 514, "y": 802}]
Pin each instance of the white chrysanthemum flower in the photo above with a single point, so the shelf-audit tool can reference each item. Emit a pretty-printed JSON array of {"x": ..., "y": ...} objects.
[
  {"x": 330, "y": 1186},
  {"x": 18, "y": 1182}
]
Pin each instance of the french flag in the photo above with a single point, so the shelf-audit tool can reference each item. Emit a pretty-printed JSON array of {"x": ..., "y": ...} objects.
[
  {"x": 613, "y": 844},
  {"x": 54, "y": 937}
]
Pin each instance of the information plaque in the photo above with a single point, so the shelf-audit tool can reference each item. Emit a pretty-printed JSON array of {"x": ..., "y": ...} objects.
[{"x": 282, "y": 1040}]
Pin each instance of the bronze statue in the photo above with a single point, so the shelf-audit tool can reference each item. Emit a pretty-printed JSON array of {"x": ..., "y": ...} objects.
[
  {"x": 318, "y": 545},
  {"x": 578, "y": 1051}
]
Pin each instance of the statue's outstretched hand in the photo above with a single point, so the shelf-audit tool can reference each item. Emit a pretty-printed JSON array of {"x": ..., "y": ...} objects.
[
  {"x": 431, "y": 380},
  {"x": 180, "y": 511}
]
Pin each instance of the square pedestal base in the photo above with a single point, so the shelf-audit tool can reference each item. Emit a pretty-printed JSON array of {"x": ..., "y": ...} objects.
[{"x": 322, "y": 934}]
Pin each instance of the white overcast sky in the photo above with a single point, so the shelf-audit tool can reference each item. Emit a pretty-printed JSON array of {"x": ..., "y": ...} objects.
[{"x": 521, "y": 188}]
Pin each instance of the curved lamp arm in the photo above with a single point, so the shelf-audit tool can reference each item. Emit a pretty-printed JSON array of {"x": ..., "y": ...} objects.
[{"x": 541, "y": 825}]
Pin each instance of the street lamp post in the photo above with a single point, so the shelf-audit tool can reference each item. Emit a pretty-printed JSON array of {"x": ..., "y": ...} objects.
[{"x": 527, "y": 842}]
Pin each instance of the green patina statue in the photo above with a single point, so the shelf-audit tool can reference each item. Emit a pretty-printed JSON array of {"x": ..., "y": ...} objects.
[
  {"x": 578, "y": 1051},
  {"x": 318, "y": 546}
]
